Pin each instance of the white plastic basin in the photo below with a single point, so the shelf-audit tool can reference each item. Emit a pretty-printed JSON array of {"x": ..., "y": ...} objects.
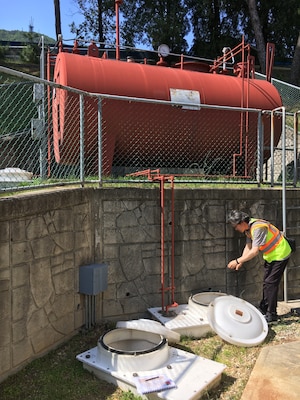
[
  {"x": 202, "y": 300},
  {"x": 132, "y": 350}
]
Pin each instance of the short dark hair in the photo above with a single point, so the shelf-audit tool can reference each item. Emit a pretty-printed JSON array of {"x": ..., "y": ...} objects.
[{"x": 236, "y": 217}]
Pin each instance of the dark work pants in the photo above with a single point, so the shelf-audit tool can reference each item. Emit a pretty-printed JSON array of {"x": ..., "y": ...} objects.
[{"x": 272, "y": 277}]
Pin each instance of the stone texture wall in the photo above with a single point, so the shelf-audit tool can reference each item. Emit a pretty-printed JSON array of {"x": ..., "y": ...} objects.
[
  {"x": 43, "y": 239},
  {"x": 46, "y": 236},
  {"x": 129, "y": 241}
]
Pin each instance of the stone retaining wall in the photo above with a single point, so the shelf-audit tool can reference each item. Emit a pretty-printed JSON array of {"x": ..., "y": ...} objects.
[{"x": 46, "y": 236}]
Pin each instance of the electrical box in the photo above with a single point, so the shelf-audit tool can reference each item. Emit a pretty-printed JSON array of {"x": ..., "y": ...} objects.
[
  {"x": 93, "y": 278},
  {"x": 38, "y": 92},
  {"x": 37, "y": 128}
]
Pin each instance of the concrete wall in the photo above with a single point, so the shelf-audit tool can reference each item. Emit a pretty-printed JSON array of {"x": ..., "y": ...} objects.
[{"x": 46, "y": 236}]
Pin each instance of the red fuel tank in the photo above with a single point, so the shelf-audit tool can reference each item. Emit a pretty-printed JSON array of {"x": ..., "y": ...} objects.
[{"x": 200, "y": 131}]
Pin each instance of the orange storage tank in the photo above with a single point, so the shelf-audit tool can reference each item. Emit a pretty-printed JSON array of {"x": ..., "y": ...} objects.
[{"x": 106, "y": 76}]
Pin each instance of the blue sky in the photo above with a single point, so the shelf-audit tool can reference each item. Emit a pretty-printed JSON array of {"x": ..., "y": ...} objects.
[{"x": 18, "y": 14}]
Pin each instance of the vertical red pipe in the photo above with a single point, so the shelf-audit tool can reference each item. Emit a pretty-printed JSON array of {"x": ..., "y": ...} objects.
[
  {"x": 49, "y": 105},
  {"x": 247, "y": 112},
  {"x": 117, "y": 4},
  {"x": 174, "y": 304},
  {"x": 171, "y": 287},
  {"x": 244, "y": 116},
  {"x": 242, "y": 100},
  {"x": 162, "y": 242},
  {"x": 162, "y": 179}
]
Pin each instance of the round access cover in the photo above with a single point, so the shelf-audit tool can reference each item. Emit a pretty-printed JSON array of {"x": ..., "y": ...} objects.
[
  {"x": 237, "y": 321},
  {"x": 204, "y": 298},
  {"x": 150, "y": 326}
]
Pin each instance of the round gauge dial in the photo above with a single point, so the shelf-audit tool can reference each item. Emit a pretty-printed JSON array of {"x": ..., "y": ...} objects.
[{"x": 163, "y": 50}]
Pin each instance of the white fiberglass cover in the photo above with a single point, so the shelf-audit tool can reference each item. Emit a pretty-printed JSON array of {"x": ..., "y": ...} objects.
[
  {"x": 236, "y": 321},
  {"x": 204, "y": 298},
  {"x": 150, "y": 326}
]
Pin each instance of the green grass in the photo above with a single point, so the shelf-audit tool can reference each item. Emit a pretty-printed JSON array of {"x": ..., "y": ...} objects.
[
  {"x": 59, "y": 376},
  {"x": 16, "y": 107}
]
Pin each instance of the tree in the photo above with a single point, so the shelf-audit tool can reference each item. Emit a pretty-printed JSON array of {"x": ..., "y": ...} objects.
[
  {"x": 31, "y": 52},
  {"x": 147, "y": 22},
  {"x": 153, "y": 22},
  {"x": 258, "y": 33},
  {"x": 295, "y": 70},
  {"x": 217, "y": 24},
  {"x": 222, "y": 23},
  {"x": 98, "y": 21},
  {"x": 279, "y": 23}
]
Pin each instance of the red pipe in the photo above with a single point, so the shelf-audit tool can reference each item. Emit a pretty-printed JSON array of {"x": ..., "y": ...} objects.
[
  {"x": 155, "y": 175},
  {"x": 172, "y": 288},
  {"x": 162, "y": 242},
  {"x": 244, "y": 124},
  {"x": 269, "y": 60},
  {"x": 164, "y": 178},
  {"x": 118, "y": 3}
]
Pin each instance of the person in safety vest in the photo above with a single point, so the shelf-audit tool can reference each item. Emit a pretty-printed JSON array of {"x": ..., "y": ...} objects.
[{"x": 262, "y": 236}]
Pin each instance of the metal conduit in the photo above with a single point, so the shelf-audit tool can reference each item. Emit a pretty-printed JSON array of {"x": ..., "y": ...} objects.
[
  {"x": 283, "y": 139},
  {"x": 90, "y": 315}
]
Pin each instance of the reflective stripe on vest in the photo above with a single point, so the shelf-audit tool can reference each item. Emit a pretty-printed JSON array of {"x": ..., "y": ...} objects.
[{"x": 274, "y": 237}]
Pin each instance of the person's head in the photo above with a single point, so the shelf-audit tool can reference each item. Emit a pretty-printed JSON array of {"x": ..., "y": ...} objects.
[{"x": 239, "y": 220}]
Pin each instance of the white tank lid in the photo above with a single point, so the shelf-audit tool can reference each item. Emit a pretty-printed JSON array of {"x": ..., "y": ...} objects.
[
  {"x": 150, "y": 326},
  {"x": 236, "y": 321}
]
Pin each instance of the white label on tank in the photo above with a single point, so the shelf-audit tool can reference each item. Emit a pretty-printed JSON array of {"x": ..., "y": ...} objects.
[{"x": 183, "y": 97}]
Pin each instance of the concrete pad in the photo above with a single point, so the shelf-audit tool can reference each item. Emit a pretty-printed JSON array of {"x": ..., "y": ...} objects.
[
  {"x": 291, "y": 306},
  {"x": 276, "y": 374}
]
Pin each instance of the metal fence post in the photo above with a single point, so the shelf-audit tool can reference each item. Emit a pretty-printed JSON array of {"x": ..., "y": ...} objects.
[
  {"x": 295, "y": 145},
  {"x": 81, "y": 102},
  {"x": 100, "y": 140},
  {"x": 284, "y": 192},
  {"x": 259, "y": 148},
  {"x": 272, "y": 148},
  {"x": 42, "y": 115}
]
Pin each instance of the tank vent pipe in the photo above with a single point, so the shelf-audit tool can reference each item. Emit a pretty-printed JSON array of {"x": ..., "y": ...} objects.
[{"x": 117, "y": 4}]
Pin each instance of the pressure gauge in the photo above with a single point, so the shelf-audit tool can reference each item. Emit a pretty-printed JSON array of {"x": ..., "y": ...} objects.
[{"x": 163, "y": 50}]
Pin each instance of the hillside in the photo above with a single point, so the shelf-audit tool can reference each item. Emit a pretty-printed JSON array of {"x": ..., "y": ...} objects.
[
  {"x": 11, "y": 48},
  {"x": 21, "y": 36}
]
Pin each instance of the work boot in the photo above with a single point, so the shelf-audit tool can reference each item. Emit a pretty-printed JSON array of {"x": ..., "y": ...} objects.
[
  {"x": 263, "y": 307},
  {"x": 271, "y": 318}
]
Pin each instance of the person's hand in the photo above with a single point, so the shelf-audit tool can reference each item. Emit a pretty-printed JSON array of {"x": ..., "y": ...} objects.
[{"x": 233, "y": 264}]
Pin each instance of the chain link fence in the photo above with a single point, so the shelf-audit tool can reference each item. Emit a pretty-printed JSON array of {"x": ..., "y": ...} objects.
[
  {"x": 51, "y": 134},
  {"x": 290, "y": 95}
]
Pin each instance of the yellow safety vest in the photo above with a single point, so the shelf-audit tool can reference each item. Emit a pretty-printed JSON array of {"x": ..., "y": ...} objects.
[{"x": 276, "y": 247}]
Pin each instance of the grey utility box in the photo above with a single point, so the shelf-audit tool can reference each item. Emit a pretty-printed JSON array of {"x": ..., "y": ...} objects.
[{"x": 93, "y": 278}]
